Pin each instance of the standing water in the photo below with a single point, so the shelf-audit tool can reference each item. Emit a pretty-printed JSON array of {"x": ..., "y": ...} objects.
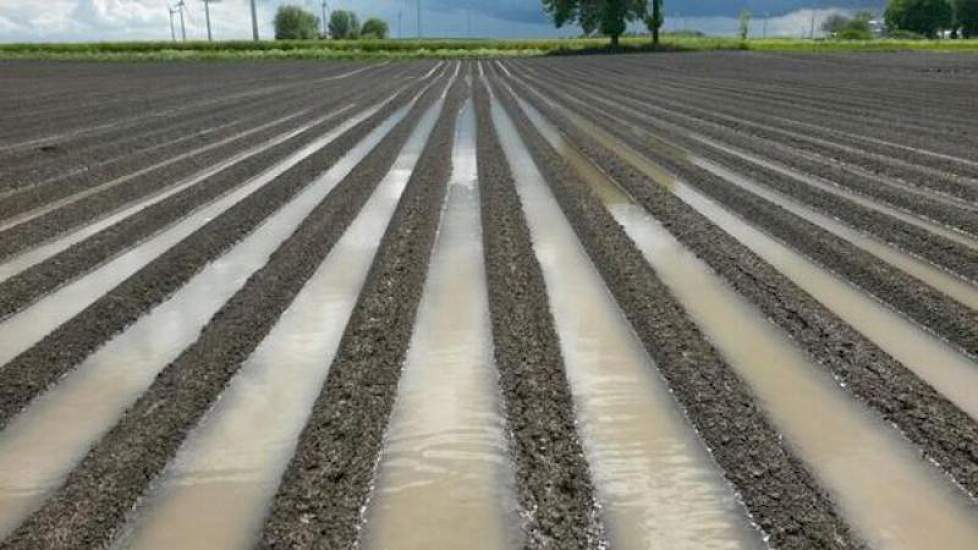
[
  {"x": 892, "y": 497},
  {"x": 24, "y": 329},
  {"x": 944, "y": 367},
  {"x": 657, "y": 485},
  {"x": 443, "y": 480},
  {"x": 41, "y": 445},
  {"x": 217, "y": 489}
]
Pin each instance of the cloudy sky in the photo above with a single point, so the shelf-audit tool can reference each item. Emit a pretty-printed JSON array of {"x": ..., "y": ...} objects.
[{"x": 78, "y": 20}]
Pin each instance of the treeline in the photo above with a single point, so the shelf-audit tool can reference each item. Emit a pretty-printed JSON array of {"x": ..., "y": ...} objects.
[
  {"x": 903, "y": 19},
  {"x": 931, "y": 18},
  {"x": 295, "y": 23}
]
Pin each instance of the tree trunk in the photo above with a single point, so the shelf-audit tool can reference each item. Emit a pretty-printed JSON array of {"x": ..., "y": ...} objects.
[
  {"x": 657, "y": 18},
  {"x": 614, "y": 41}
]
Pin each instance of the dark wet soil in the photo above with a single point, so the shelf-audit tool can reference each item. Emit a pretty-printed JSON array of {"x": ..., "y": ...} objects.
[
  {"x": 554, "y": 488},
  {"x": 326, "y": 485},
  {"x": 779, "y": 492},
  {"x": 941, "y": 430},
  {"x": 91, "y": 505}
]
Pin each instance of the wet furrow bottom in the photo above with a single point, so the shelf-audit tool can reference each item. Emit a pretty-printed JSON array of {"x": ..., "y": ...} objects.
[
  {"x": 717, "y": 301},
  {"x": 443, "y": 480}
]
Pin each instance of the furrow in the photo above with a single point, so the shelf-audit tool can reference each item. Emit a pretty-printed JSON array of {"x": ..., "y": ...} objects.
[
  {"x": 854, "y": 454},
  {"x": 944, "y": 432},
  {"x": 116, "y": 471},
  {"x": 746, "y": 121},
  {"x": 932, "y": 206},
  {"x": 147, "y": 276},
  {"x": 117, "y": 195},
  {"x": 125, "y": 124},
  {"x": 796, "y": 197},
  {"x": 29, "y": 276},
  {"x": 216, "y": 490},
  {"x": 949, "y": 320},
  {"x": 321, "y": 498},
  {"x": 444, "y": 459},
  {"x": 656, "y": 482}
]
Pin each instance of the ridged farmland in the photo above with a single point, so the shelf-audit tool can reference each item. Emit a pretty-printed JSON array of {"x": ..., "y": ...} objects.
[{"x": 697, "y": 300}]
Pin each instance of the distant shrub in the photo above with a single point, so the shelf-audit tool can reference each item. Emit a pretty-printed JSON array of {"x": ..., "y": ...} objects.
[
  {"x": 900, "y": 34},
  {"x": 295, "y": 23},
  {"x": 850, "y": 33},
  {"x": 374, "y": 28}
]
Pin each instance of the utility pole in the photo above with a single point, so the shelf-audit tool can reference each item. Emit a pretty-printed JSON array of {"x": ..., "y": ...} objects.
[
  {"x": 419, "y": 18},
  {"x": 766, "y": 16},
  {"x": 254, "y": 21},
  {"x": 173, "y": 30},
  {"x": 811, "y": 31},
  {"x": 183, "y": 27},
  {"x": 207, "y": 17},
  {"x": 400, "y": 16}
]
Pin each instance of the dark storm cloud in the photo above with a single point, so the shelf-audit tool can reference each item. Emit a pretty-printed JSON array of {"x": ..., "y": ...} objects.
[{"x": 531, "y": 11}]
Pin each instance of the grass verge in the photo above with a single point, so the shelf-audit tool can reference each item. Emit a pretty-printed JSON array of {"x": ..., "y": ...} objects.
[{"x": 444, "y": 48}]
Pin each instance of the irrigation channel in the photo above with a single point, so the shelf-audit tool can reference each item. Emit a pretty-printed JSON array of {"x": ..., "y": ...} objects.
[{"x": 723, "y": 300}]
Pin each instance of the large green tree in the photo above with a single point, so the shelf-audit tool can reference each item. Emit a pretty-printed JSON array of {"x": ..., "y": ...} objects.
[
  {"x": 609, "y": 17},
  {"x": 966, "y": 17},
  {"x": 344, "y": 24},
  {"x": 655, "y": 20},
  {"x": 374, "y": 28},
  {"x": 925, "y": 17},
  {"x": 295, "y": 23}
]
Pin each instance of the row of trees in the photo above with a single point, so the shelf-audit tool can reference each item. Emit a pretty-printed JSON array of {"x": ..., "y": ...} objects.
[
  {"x": 923, "y": 17},
  {"x": 295, "y": 23},
  {"x": 929, "y": 17}
]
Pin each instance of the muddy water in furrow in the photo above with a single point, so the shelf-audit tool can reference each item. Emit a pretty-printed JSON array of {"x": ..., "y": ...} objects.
[
  {"x": 955, "y": 287},
  {"x": 943, "y": 366},
  {"x": 657, "y": 484},
  {"x": 37, "y": 255},
  {"x": 41, "y": 445},
  {"x": 215, "y": 492},
  {"x": 893, "y": 497},
  {"x": 21, "y": 218},
  {"x": 933, "y": 226},
  {"x": 819, "y": 183},
  {"x": 24, "y": 329},
  {"x": 443, "y": 480}
]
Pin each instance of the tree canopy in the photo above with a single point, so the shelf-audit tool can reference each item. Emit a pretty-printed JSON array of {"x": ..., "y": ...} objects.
[
  {"x": 295, "y": 23},
  {"x": 655, "y": 20},
  {"x": 374, "y": 28},
  {"x": 966, "y": 17},
  {"x": 609, "y": 17},
  {"x": 344, "y": 24},
  {"x": 925, "y": 17}
]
